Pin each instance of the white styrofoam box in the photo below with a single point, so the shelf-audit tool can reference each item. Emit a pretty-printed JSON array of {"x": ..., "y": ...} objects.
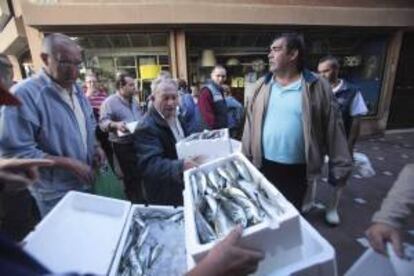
[
  {"x": 118, "y": 254},
  {"x": 209, "y": 149},
  {"x": 285, "y": 235},
  {"x": 375, "y": 264},
  {"x": 81, "y": 234},
  {"x": 236, "y": 146},
  {"x": 313, "y": 256},
  {"x": 371, "y": 264}
]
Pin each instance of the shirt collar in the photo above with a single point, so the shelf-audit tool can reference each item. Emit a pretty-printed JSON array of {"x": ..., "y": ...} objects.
[
  {"x": 338, "y": 86},
  {"x": 294, "y": 86}
]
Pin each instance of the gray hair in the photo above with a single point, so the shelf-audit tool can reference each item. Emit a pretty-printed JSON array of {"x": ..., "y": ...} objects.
[
  {"x": 50, "y": 41},
  {"x": 6, "y": 71},
  {"x": 163, "y": 80}
]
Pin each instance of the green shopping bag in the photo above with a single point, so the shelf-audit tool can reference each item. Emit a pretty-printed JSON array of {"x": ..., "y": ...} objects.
[{"x": 107, "y": 184}]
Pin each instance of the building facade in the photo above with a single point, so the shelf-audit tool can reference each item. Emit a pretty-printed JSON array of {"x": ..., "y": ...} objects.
[{"x": 370, "y": 37}]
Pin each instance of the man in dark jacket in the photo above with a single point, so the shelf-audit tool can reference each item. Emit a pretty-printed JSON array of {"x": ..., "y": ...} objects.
[
  {"x": 155, "y": 139},
  {"x": 212, "y": 103}
]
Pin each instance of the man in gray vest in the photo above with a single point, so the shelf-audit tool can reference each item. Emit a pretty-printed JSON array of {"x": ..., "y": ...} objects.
[{"x": 212, "y": 103}]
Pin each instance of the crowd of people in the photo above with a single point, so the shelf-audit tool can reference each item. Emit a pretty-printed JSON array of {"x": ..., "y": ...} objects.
[{"x": 294, "y": 119}]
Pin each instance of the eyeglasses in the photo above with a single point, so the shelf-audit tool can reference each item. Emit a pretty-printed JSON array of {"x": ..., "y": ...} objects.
[{"x": 69, "y": 63}]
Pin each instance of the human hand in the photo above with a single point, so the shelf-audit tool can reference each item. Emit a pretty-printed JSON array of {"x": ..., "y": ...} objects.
[
  {"x": 120, "y": 126},
  {"x": 193, "y": 162},
  {"x": 380, "y": 233},
  {"x": 227, "y": 258},
  {"x": 11, "y": 170},
  {"x": 82, "y": 171},
  {"x": 99, "y": 157}
]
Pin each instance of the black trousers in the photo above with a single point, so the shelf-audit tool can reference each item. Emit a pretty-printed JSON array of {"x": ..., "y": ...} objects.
[
  {"x": 127, "y": 159},
  {"x": 289, "y": 179},
  {"x": 19, "y": 213},
  {"x": 102, "y": 137}
]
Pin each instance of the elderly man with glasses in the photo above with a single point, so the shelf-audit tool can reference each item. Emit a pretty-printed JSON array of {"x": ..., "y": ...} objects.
[{"x": 56, "y": 122}]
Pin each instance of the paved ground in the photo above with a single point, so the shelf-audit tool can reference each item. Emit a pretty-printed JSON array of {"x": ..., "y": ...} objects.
[{"x": 388, "y": 155}]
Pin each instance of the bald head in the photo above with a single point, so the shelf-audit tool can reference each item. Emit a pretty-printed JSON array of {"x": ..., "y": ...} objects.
[
  {"x": 219, "y": 75},
  {"x": 61, "y": 57}
]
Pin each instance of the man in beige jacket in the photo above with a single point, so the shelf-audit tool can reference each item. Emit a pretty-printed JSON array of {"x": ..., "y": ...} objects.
[
  {"x": 395, "y": 209},
  {"x": 292, "y": 122}
]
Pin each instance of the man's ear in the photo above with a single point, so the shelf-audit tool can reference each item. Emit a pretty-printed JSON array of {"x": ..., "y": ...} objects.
[
  {"x": 44, "y": 58},
  {"x": 294, "y": 54}
]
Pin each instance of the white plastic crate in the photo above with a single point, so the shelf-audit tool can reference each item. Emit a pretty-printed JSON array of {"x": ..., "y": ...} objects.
[{"x": 84, "y": 233}]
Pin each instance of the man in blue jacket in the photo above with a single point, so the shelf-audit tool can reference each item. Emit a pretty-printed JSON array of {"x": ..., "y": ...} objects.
[
  {"x": 155, "y": 139},
  {"x": 56, "y": 122}
]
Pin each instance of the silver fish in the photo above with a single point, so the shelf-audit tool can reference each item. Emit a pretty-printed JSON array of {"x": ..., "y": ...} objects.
[
  {"x": 177, "y": 217},
  {"x": 267, "y": 207},
  {"x": 249, "y": 188},
  {"x": 233, "y": 211},
  {"x": 252, "y": 212},
  {"x": 216, "y": 180},
  {"x": 243, "y": 170},
  {"x": 232, "y": 170},
  {"x": 212, "y": 204},
  {"x": 155, "y": 253},
  {"x": 222, "y": 223},
  {"x": 205, "y": 232},
  {"x": 194, "y": 188},
  {"x": 201, "y": 181},
  {"x": 144, "y": 257},
  {"x": 222, "y": 171},
  {"x": 135, "y": 264},
  {"x": 280, "y": 209}
]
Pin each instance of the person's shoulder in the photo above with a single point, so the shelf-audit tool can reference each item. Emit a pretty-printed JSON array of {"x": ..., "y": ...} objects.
[
  {"x": 146, "y": 122},
  {"x": 110, "y": 99},
  {"x": 25, "y": 86}
]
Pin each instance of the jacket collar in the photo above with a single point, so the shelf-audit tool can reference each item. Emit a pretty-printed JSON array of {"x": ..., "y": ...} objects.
[
  {"x": 44, "y": 76},
  {"x": 159, "y": 120},
  {"x": 308, "y": 76},
  {"x": 157, "y": 117},
  {"x": 211, "y": 82}
]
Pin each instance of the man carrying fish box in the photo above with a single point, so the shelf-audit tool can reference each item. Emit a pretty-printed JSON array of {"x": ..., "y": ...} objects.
[
  {"x": 155, "y": 139},
  {"x": 56, "y": 122},
  {"x": 292, "y": 122}
]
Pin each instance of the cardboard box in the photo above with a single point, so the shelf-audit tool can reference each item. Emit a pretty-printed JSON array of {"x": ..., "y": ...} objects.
[
  {"x": 291, "y": 245},
  {"x": 84, "y": 233}
]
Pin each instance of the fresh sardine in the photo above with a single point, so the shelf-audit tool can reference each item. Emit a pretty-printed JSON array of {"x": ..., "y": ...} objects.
[
  {"x": 233, "y": 211},
  {"x": 205, "y": 232},
  {"x": 194, "y": 189},
  {"x": 252, "y": 212},
  {"x": 232, "y": 170},
  {"x": 222, "y": 171},
  {"x": 216, "y": 180},
  {"x": 222, "y": 224},
  {"x": 201, "y": 181},
  {"x": 243, "y": 170}
]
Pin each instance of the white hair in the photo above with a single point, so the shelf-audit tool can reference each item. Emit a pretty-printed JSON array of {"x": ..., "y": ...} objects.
[{"x": 163, "y": 80}]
